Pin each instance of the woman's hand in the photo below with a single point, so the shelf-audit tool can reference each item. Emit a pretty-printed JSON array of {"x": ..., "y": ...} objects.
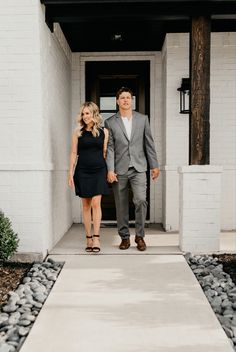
[
  {"x": 111, "y": 177},
  {"x": 70, "y": 181}
]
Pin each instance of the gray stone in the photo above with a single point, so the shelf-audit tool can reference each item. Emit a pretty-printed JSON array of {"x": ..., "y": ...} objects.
[
  {"x": 51, "y": 277},
  {"x": 233, "y": 322},
  {"x": 14, "y": 318},
  {"x": 23, "y": 331},
  {"x": 228, "y": 332},
  {"x": 14, "y": 338},
  {"x": 40, "y": 297},
  {"x": 5, "y": 348},
  {"x": 216, "y": 304},
  {"x": 9, "y": 308},
  {"x": 233, "y": 297},
  {"x": 28, "y": 316},
  {"x": 24, "y": 309},
  {"x": 6, "y": 327},
  {"x": 3, "y": 317},
  {"x": 26, "y": 280},
  {"x": 14, "y": 297},
  {"x": 24, "y": 322},
  {"x": 47, "y": 265},
  {"x": 51, "y": 261},
  {"x": 13, "y": 343},
  {"x": 37, "y": 304},
  {"x": 24, "y": 304},
  {"x": 234, "y": 330},
  {"x": 228, "y": 313}
]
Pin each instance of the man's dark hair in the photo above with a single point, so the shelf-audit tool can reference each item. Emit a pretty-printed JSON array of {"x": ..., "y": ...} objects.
[{"x": 124, "y": 89}]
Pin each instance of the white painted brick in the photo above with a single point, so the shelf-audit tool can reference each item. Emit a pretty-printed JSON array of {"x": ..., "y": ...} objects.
[
  {"x": 222, "y": 114},
  {"x": 35, "y": 94},
  {"x": 200, "y": 245},
  {"x": 199, "y": 213}
]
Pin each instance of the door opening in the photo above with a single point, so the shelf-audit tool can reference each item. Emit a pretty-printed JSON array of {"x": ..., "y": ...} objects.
[{"x": 103, "y": 79}]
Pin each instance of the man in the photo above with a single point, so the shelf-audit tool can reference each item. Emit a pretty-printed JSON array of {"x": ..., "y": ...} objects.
[{"x": 130, "y": 147}]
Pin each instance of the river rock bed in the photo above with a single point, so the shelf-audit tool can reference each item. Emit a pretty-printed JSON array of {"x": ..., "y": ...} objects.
[
  {"x": 219, "y": 289},
  {"x": 24, "y": 304}
]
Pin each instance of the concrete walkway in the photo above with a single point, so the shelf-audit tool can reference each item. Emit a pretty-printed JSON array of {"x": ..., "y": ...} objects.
[{"x": 122, "y": 303}]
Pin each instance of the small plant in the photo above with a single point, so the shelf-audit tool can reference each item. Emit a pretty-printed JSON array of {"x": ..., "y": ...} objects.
[{"x": 9, "y": 240}]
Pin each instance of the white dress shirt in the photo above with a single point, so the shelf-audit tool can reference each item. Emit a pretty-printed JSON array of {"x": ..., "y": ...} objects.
[{"x": 128, "y": 125}]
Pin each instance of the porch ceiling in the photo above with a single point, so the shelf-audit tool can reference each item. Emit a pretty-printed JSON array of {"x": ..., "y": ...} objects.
[{"x": 132, "y": 25}]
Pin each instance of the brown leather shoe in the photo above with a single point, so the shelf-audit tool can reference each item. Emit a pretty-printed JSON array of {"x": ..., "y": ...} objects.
[
  {"x": 141, "y": 245},
  {"x": 125, "y": 243}
]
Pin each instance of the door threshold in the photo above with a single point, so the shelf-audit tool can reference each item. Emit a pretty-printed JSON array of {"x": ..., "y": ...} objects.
[{"x": 113, "y": 224}]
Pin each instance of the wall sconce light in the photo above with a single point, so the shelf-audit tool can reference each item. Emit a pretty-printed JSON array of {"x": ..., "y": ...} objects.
[
  {"x": 117, "y": 37},
  {"x": 184, "y": 91}
]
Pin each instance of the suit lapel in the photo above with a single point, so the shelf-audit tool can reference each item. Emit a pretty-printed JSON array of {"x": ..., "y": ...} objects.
[
  {"x": 134, "y": 125},
  {"x": 121, "y": 124}
]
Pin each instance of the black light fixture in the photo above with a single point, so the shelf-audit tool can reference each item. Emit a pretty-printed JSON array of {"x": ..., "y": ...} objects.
[
  {"x": 184, "y": 91},
  {"x": 117, "y": 37}
]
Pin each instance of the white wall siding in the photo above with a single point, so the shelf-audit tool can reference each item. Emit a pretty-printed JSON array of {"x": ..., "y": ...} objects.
[
  {"x": 20, "y": 104},
  {"x": 200, "y": 194},
  {"x": 56, "y": 61},
  {"x": 77, "y": 99},
  {"x": 223, "y": 120},
  {"x": 175, "y": 125},
  {"x": 35, "y": 122}
]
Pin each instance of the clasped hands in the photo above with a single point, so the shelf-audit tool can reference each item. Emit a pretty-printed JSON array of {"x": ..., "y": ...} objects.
[{"x": 112, "y": 177}]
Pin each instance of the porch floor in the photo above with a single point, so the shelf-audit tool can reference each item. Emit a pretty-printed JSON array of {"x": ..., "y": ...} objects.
[
  {"x": 158, "y": 242},
  {"x": 127, "y": 302}
]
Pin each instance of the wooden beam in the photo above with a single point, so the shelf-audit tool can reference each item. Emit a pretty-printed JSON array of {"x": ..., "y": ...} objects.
[{"x": 200, "y": 38}]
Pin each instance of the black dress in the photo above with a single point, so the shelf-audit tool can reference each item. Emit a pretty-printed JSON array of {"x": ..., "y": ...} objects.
[{"x": 90, "y": 177}]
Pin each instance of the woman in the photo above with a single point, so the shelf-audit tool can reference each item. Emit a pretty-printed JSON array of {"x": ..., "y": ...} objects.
[{"x": 89, "y": 143}]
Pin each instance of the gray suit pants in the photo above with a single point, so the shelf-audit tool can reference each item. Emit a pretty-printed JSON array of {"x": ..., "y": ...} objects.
[{"x": 138, "y": 183}]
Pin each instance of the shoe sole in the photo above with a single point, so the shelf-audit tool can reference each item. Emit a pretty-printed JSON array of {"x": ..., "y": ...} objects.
[
  {"x": 123, "y": 249},
  {"x": 141, "y": 250}
]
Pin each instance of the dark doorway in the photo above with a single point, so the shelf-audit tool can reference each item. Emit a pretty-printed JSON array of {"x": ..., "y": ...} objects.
[{"x": 103, "y": 79}]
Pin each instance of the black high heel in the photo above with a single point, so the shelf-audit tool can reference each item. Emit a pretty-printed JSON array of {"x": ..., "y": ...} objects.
[
  {"x": 89, "y": 248},
  {"x": 96, "y": 249}
]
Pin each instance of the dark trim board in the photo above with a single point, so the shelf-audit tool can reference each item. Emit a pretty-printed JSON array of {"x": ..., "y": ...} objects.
[{"x": 132, "y": 25}]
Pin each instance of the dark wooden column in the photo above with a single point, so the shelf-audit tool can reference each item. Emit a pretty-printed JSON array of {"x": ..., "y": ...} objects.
[{"x": 200, "y": 38}]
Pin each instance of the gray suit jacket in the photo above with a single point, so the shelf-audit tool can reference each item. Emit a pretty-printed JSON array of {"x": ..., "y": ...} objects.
[{"x": 139, "y": 150}]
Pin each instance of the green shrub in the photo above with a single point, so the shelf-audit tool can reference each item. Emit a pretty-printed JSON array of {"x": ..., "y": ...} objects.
[{"x": 9, "y": 240}]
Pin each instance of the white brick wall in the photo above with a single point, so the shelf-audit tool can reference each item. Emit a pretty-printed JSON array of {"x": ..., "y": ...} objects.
[
  {"x": 56, "y": 61},
  {"x": 35, "y": 104},
  {"x": 20, "y": 83},
  {"x": 175, "y": 126},
  {"x": 222, "y": 120},
  {"x": 200, "y": 203}
]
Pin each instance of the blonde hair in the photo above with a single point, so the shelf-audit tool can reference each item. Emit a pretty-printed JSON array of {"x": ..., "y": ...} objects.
[{"x": 97, "y": 119}]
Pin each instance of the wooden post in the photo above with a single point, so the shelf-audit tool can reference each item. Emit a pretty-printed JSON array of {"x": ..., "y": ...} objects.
[{"x": 200, "y": 90}]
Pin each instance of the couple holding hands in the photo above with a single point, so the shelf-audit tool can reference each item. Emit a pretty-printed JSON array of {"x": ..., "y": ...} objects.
[{"x": 118, "y": 154}]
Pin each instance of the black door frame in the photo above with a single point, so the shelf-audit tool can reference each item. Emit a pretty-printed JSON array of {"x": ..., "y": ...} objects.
[{"x": 150, "y": 56}]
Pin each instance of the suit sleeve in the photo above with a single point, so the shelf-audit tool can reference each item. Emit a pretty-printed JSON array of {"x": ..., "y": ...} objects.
[
  {"x": 150, "y": 146},
  {"x": 110, "y": 149}
]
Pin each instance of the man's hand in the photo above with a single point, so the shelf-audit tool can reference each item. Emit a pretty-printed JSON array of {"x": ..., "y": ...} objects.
[
  {"x": 155, "y": 173},
  {"x": 111, "y": 177}
]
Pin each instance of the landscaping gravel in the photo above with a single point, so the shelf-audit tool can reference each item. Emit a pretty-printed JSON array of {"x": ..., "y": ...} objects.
[
  {"x": 24, "y": 304},
  {"x": 219, "y": 289}
]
